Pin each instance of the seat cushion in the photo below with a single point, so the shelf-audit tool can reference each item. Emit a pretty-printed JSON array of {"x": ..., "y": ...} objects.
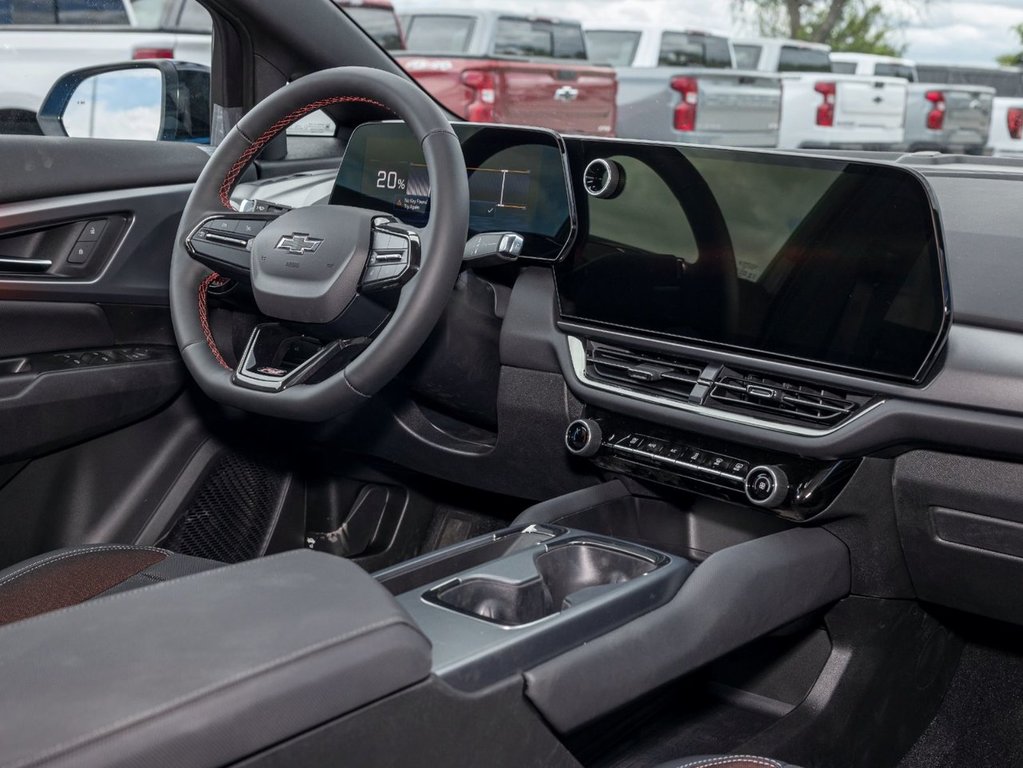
[
  {"x": 726, "y": 761},
  {"x": 70, "y": 576}
]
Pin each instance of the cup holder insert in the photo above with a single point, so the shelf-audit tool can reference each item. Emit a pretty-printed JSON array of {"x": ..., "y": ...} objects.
[
  {"x": 464, "y": 558},
  {"x": 562, "y": 571}
]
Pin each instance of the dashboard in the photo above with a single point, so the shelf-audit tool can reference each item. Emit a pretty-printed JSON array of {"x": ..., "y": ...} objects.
[
  {"x": 945, "y": 261},
  {"x": 823, "y": 337}
]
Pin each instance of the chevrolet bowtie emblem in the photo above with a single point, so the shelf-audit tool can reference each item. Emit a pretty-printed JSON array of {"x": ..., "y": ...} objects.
[{"x": 299, "y": 243}]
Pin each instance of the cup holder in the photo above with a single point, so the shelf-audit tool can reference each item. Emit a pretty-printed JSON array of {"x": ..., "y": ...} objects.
[{"x": 567, "y": 574}]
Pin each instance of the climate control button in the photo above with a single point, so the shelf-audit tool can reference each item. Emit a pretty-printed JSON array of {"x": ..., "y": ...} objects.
[
  {"x": 583, "y": 437},
  {"x": 767, "y": 486}
]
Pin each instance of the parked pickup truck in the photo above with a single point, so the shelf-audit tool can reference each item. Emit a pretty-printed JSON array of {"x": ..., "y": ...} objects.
[
  {"x": 495, "y": 67},
  {"x": 939, "y": 116},
  {"x": 822, "y": 109},
  {"x": 1006, "y": 135},
  {"x": 678, "y": 85},
  {"x": 42, "y": 40}
]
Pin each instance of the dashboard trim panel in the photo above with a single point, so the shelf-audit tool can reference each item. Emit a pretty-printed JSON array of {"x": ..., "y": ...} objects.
[{"x": 577, "y": 353}]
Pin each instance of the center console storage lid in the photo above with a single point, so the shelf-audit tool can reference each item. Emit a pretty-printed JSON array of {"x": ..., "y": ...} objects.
[{"x": 203, "y": 670}]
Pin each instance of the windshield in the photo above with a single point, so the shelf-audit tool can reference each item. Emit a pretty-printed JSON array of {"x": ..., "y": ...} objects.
[
  {"x": 755, "y": 74},
  {"x": 379, "y": 23}
]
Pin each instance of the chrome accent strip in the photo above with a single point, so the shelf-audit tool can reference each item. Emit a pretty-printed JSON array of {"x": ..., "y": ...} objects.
[{"x": 577, "y": 352}]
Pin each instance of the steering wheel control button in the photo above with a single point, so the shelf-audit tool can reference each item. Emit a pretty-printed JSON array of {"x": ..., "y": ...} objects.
[
  {"x": 583, "y": 437},
  {"x": 393, "y": 258},
  {"x": 767, "y": 486},
  {"x": 93, "y": 231},
  {"x": 250, "y": 227},
  {"x": 223, "y": 225}
]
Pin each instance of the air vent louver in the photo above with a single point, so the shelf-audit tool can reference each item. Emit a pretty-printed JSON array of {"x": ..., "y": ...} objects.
[
  {"x": 783, "y": 399},
  {"x": 666, "y": 376}
]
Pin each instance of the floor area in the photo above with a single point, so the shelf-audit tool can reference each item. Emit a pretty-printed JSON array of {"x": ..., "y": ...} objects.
[{"x": 980, "y": 723}]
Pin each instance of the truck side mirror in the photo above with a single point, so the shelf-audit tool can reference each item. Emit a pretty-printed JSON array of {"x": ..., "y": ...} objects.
[{"x": 154, "y": 100}]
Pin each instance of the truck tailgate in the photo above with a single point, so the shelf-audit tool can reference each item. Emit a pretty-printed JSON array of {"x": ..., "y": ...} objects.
[
  {"x": 738, "y": 102},
  {"x": 870, "y": 102},
  {"x": 967, "y": 112},
  {"x": 558, "y": 95}
]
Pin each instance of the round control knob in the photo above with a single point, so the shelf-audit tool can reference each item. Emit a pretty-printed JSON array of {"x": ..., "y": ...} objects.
[
  {"x": 583, "y": 437},
  {"x": 603, "y": 178},
  {"x": 767, "y": 486}
]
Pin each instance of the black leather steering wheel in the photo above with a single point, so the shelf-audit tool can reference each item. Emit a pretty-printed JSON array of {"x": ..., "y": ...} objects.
[{"x": 319, "y": 267}]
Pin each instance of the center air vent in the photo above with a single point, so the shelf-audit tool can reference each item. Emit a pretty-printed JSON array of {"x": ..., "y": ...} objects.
[
  {"x": 783, "y": 399},
  {"x": 670, "y": 377}
]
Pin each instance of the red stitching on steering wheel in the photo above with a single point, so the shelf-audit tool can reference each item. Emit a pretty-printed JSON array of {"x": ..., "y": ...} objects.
[
  {"x": 204, "y": 321},
  {"x": 257, "y": 146}
]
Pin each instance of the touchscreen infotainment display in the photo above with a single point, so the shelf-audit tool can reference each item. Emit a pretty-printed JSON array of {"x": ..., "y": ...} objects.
[
  {"x": 517, "y": 181},
  {"x": 827, "y": 261}
]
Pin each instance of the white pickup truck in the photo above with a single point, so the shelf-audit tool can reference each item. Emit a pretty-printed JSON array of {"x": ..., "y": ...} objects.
[
  {"x": 822, "y": 109},
  {"x": 680, "y": 85},
  {"x": 42, "y": 39},
  {"x": 1006, "y": 135},
  {"x": 944, "y": 113}
]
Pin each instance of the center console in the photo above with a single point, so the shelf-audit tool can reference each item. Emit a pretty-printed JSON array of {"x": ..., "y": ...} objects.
[
  {"x": 496, "y": 605},
  {"x": 591, "y": 621}
]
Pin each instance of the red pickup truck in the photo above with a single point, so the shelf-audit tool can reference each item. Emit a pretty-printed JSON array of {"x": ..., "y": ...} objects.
[{"x": 495, "y": 67}]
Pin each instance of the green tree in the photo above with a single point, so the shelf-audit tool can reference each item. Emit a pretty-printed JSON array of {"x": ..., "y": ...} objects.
[
  {"x": 1013, "y": 59},
  {"x": 860, "y": 26}
]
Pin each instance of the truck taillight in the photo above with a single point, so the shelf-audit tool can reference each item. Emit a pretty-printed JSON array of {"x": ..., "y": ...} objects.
[
  {"x": 1015, "y": 120},
  {"x": 152, "y": 53},
  {"x": 826, "y": 109},
  {"x": 482, "y": 95},
  {"x": 685, "y": 112},
  {"x": 936, "y": 114}
]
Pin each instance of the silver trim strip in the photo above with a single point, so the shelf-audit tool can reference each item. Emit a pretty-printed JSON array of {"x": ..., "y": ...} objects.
[
  {"x": 577, "y": 353},
  {"x": 34, "y": 213}
]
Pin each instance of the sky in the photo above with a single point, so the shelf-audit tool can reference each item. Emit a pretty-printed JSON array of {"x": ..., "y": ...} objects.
[{"x": 935, "y": 31}]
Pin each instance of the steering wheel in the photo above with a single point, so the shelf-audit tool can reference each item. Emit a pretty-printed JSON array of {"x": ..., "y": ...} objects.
[{"x": 333, "y": 279}]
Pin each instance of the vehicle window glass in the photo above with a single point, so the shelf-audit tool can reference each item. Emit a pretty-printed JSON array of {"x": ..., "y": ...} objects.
[
  {"x": 1006, "y": 84},
  {"x": 747, "y": 56},
  {"x": 894, "y": 70},
  {"x": 682, "y": 50},
  {"x": 440, "y": 34},
  {"x": 569, "y": 42},
  {"x": 522, "y": 37},
  {"x": 379, "y": 23},
  {"x": 28, "y": 12},
  {"x": 798, "y": 59},
  {"x": 617, "y": 48},
  {"x": 931, "y": 74},
  {"x": 194, "y": 18},
  {"x": 92, "y": 12},
  {"x": 844, "y": 67}
]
